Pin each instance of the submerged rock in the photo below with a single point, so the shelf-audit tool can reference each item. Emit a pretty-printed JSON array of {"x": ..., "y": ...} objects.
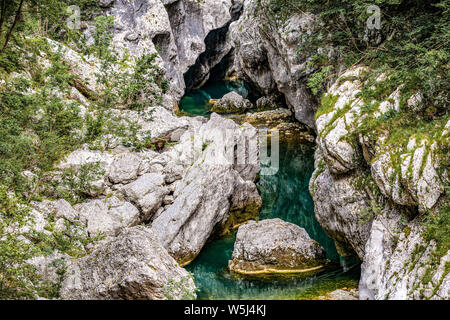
[
  {"x": 341, "y": 294},
  {"x": 132, "y": 266},
  {"x": 275, "y": 246},
  {"x": 232, "y": 102}
]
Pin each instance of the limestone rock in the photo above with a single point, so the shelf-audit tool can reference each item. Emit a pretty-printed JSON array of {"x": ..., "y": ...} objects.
[
  {"x": 336, "y": 127},
  {"x": 108, "y": 216},
  {"x": 273, "y": 245},
  {"x": 178, "y": 31},
  {"x": 251, "y": 61},
  {"x": 83, "y": 156},
  {"x": 132, "y": 266},
  {"x": 124, "y": 168},
  {"x": 338, "y": 208},
  {"x": 59, "y": 208},
  {"x": 394, "y": 267},
  {"x": 147, "y": 193},
  {"x": 232, "y": 102},
  {"x": 274, "y": 68},
  {"x": 50, "y": 267},
  {"x": 268, "y": 103},
  {"x": 216, "y": 192}
]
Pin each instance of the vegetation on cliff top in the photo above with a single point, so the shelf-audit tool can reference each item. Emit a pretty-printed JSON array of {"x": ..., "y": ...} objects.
[{"x": 408, "y": 51}]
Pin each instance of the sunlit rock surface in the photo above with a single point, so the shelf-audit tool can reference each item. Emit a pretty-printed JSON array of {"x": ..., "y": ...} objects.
[
  {"x": 271, "y": 246},
  {"x": 131, "y": 266}
]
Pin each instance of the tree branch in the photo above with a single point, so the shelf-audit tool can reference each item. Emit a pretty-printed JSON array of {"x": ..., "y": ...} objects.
[{"x": 16, "y": 19}]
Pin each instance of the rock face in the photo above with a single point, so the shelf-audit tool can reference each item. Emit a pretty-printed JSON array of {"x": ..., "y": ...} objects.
[
  {"x": 232, "y": 103},
  {"x": 217, "y": 191},
  {"x": 271, "y": 246},
  {"x": 133, "y": 265},
  {"x": 370, "y": 194},
  {"x": 198, "y": 188},
  {"x": 266, "y": 56},
  {"x": 400, "y": 268},
  {"x": 185, "y": 34},
  {"x": 108, "y": 216},
  {"x": 337, "y": 206}
]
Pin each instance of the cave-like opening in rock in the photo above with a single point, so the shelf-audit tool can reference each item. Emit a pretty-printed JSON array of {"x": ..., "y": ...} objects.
[{"x": 162, "y": 43}]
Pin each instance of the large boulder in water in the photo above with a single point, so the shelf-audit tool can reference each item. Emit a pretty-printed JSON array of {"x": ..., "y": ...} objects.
[
  {"x": 131, "y": 266},
  {"x": 275, "y": 246},
  {"x": 216, "y": 193},
  {"x": 232, "y": 102}
]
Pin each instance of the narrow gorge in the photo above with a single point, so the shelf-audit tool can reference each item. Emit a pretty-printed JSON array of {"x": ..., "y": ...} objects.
[{"x": 223, "y": 149}]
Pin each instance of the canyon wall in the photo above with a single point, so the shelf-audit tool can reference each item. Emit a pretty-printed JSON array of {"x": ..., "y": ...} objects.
[{"x": 370, "y": 194}]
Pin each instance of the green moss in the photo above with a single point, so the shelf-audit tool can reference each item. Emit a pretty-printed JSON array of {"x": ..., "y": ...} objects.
[
  {"x": 407, "y": 231},
  {"x": 337, "y": 115},
  {"x": 327, "y": 104},
  {"x": 325, "y": 288}
]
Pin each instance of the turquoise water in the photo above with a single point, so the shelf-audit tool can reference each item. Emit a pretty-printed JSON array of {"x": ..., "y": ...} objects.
[
  {"x": 285, "y": 196},
  {"x": 195, "y": 102}
]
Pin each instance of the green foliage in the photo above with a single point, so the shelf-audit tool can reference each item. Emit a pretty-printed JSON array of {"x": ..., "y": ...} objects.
[
  {"x": 36, "y": 129},
  {"x": 180, "y": 289},
  {"x": 413, "y": 41},
  {"x": 317, "y": 80},
  {"x": 40, "y": 123},
  {"x": 437, "y": 227},
  {"x": 16, "y": 276},
  {"x": 370, "y": 213}
]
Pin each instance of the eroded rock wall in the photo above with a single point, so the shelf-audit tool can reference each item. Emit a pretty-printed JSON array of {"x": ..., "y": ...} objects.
[
  {"x": 371, "y": 193},
  {"x": 266, "y": 56},
  {"x": 186, "y": 34}
]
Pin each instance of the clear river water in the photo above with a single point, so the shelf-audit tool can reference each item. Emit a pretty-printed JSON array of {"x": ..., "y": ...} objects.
[{"x": 285, "y": 196}]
